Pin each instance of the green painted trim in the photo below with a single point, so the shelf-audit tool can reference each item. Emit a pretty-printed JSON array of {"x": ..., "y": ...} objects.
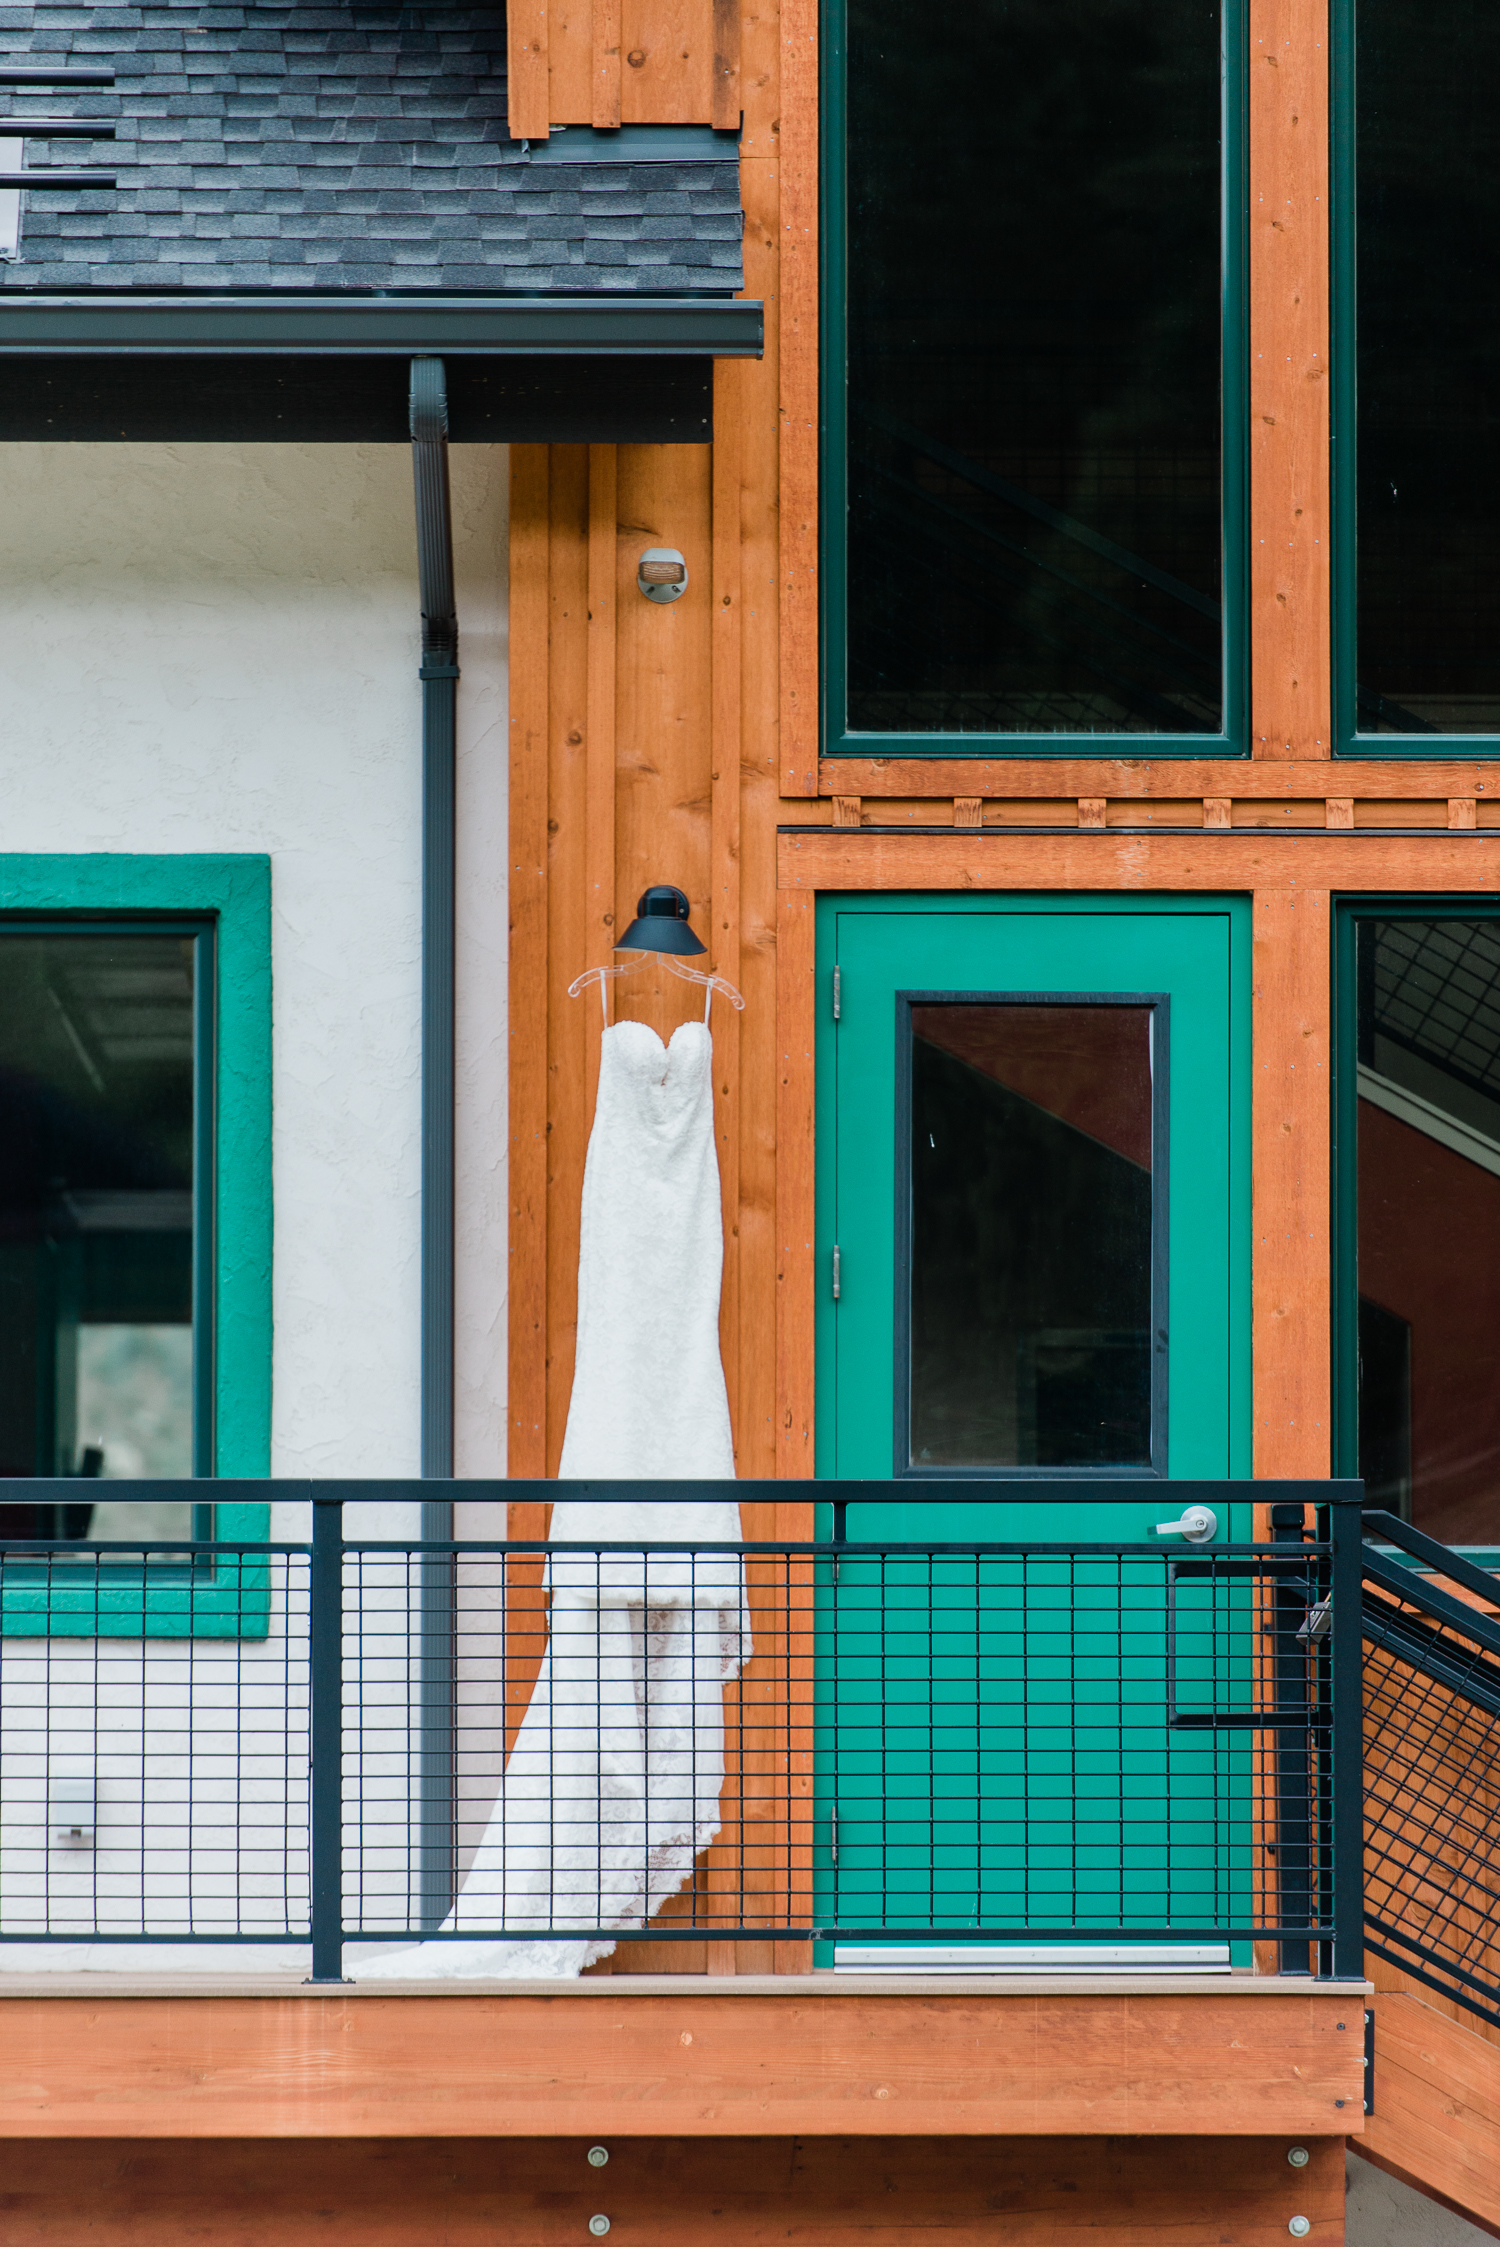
[
  {"x": 232, "y": 894},
  {"x": 1344, "y": 406},
  {"x": 721, "y": 327},
  {"x": 1238, "y": 910},
  {"x": 837, "y": 740}
]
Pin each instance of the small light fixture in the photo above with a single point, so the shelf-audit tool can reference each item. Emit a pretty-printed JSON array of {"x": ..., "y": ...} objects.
[
  {"x": 661, "y": 574},
  {"x": 660, "y": 924}
]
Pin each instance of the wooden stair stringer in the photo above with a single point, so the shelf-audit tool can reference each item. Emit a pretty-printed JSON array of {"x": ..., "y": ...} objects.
[{"x": 1436, "y": 2124}]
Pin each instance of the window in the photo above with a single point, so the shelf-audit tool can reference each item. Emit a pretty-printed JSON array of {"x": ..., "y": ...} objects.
[
  {"x": 1418, "y": 1123},
  {"x": 1418, "y": 328},
  {"x": 1035, "y": 1252},
  {"x": 106, "y": 1061},
  {"x": 1033, "y": 396},
  {"x": 134, "y": 1234}
]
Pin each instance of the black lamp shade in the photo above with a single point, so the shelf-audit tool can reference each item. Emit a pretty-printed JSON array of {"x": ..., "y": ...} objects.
[{"x": 660, "y": 924}]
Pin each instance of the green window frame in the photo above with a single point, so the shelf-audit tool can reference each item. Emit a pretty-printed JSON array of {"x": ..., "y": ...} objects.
[
  {"x": 837, "y": 740},
  {"x": 1348, "y": 741},
  {"x": 225, "y": 901}
]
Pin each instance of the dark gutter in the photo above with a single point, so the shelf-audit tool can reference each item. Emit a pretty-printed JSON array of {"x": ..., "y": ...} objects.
[
  {"x": 439, "y": 676},
  {"x": 713, "y": 327}
]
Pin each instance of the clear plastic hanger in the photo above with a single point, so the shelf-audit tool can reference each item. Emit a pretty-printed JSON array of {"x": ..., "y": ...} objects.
[{"x": 674, "y": 965}]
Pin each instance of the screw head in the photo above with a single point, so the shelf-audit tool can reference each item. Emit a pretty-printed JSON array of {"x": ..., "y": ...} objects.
[
  {"x": 598, "y": 2155},
  {"x": 1298, "y": 2156},
  {"x": 1299, "y": 2227},
  {"x": 598, "y": 2225}
]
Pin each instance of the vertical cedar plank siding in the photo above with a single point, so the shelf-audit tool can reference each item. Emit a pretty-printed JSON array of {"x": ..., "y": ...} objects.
[
  {"x": 669, "y": 743},
  {"x": 1290, "y": 522}
]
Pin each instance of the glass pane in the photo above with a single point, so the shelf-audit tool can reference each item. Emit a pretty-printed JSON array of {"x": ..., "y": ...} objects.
[
  {"x": 1031, "y": 1247},
  {"x": 1034, "y": 540},
  {"x": 96, "y": 1224},
  {"x": 1428, "y": 87},
  {"x": 1429, "y": 1223}
]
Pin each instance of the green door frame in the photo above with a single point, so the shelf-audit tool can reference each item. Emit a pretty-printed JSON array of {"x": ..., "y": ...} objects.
[{"x": 1237, "y": 909}]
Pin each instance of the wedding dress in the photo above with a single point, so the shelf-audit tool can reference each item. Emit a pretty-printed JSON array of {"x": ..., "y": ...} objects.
[{"x": 613, "y": 1785}]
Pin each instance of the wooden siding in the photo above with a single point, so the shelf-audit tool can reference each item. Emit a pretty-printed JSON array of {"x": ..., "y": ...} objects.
[
  {"x": 682, "y": 743},
  {"x": 606, "y": 2058},
  {"x": 671, "y": 2192}
]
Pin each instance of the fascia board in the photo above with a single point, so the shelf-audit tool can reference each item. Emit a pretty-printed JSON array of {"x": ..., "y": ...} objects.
[{"x": 103, "y": 326}]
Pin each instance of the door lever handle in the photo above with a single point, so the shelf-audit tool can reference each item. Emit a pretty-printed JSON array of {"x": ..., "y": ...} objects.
[{"x": 1199, "y": 1525}]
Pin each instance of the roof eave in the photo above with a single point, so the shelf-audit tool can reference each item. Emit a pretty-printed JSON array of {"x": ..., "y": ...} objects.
[{"x": 299, "y": 326}]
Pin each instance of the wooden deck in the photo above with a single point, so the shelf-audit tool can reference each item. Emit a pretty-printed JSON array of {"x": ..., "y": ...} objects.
[{"x": 645, "y": 2056}]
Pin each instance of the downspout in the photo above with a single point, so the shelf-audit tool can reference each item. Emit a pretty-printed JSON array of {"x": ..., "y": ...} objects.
[{"x": 439, "y": 676}]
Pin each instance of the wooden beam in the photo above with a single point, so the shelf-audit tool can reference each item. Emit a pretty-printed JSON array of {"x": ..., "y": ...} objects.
[
  {"x": 796, "y": 1002},
  {"x": 1291, "y": 1268},
  {"x": 799, "y": 405},
  {"x": 529, "y": 93},
  {"x": 726, "y": 86},
  {"x": 743, "y": 2192},
  {"x": 608, "y": 2061},
  {"x": 1290, "y": 518},
  {"x": 1145, "y": 777},
  {"x": 605, "y": 73},
  {"x": 529, "y": 541},
  {"x": 601, "y": 923},
  {"x": 1436, "y": 2123},
  {"x": 668, "y": 77},
  {"x": 885, "y": 858}
]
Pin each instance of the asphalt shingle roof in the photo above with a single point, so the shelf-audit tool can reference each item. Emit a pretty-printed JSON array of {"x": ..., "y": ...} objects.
[{"x": 292, "y": 145}]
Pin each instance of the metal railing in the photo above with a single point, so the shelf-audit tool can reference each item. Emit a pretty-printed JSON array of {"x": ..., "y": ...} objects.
[
  {"x": 1432, "y": 1767},
  {"x": 982, "y": 1748}
]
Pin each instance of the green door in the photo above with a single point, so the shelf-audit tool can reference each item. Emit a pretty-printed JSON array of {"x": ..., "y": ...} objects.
[{"x": 1034, "y": 1241}]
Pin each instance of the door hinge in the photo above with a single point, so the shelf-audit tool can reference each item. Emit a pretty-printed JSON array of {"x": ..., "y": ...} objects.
[
  {"x": 833, "y": 1834},
  {"x": 836, "y": 1275},
  {"x": 838, "y": 992}
]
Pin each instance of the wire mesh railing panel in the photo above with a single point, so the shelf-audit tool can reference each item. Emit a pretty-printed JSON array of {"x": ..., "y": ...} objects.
[
  {"x": 515, "y": 1743},
  {"x": 894, "y": 1743},
  {"x": 154, "y": 1746},
  {"x": 1432, "y": 1789}
]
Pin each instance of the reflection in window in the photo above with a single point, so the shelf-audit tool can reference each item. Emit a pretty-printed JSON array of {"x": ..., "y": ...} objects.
[
  {"x": 1033, "y": 308},
  {"x": 96, "y": 1225},
  {"x": 1428, "y": 328},
  {"x": 1031, "y": 1236},
  {"x": 1429, "y": 1222}
]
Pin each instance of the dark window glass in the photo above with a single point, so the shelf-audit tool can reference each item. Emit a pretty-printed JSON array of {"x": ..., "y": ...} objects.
[
  {"x": 1429, "y": 1222},
  {"x": 1428, "y": 314},
  {"x": 1031, "y": 1236},
  {"x": 96, "y": 1225},
  {"x": 1033, "y": 305}
]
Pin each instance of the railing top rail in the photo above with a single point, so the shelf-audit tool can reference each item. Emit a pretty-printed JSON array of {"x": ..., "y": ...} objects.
[
  {"x": 1022, "y": 1489},
  {"x": 1405, "y": 1584},
  {"x": 1389, "y": 1529},
  {"x": 1271, "y": 1559}
]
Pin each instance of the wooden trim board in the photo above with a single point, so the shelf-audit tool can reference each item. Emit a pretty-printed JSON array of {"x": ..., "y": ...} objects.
[
  {"x": 992, "y": 777},
  {"x": 690, "y": 2063},
  {"x": 674, "y": 2192},
  {"x": 1436, "y": 2123}
]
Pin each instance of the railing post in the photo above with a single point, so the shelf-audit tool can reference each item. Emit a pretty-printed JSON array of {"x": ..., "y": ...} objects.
[
  {"x": 325, "y": 1636},
  {"x": 1346, "y": 1519}
]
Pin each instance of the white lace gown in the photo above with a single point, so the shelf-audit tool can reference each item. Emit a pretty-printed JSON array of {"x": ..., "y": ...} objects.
[{"x": 614, "y": 1782}]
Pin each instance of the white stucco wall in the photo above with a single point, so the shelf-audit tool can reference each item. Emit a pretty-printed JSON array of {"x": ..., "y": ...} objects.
[
  {"x": 210, "y": 647},
  {"x": 214, "y": 648}
]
